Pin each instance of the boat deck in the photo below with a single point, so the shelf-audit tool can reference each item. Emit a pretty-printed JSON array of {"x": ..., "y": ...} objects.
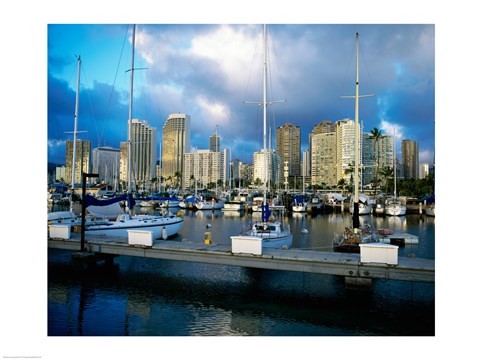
[
  {"x": 399, "y": 239},
  {"x": 349, "y": 265}
]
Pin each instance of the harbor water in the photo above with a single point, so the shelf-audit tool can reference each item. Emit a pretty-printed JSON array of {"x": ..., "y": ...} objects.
[{"x": 151, "y": 297}]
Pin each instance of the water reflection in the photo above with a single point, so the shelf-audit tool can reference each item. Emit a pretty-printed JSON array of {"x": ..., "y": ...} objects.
[{"x": 175, "y": 298}]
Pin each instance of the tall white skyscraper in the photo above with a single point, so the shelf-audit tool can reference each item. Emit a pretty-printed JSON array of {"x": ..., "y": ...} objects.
[
  {"x": 272, "y": 171},
  {"x": 106, "y": 163},
  {"x": 143, "y": 156},
  {"x": 345, "y": 130},
  {"x": 202, "y": 166}
]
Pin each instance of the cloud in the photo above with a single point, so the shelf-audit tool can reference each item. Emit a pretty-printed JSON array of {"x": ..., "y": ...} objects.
[
  {"x": 209, "y": 71},
  {"x": 394, "y": 130},
  {"x": 214, "y": 113}
]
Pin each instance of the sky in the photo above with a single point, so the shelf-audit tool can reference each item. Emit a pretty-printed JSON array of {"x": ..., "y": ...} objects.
[{"x": 209, "y": 71}]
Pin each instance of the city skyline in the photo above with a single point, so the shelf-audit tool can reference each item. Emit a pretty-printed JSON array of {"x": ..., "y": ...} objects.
[{"x": 206, "y": 71}]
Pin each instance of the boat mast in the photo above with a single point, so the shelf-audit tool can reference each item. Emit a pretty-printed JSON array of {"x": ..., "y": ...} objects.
[
  {"x": 130, "y": 111},
  {"x": 265, "y": 113},
  {"x": 218, "y": 150},
  {"x": 356, "y": 215},
  {"x": 79, "y": 62},
  {"x": 356, "y": 220},
  {"x": 264, "y": 103},
  {"x": 394, "y": 167}
]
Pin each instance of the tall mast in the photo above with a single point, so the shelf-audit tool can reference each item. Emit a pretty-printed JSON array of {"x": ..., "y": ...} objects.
[
  {"x": 355, "y": 198},
  {"x": 79, "y": 62},
  {"x": 264, "y": 103},
  {"x": 218, "y": 150},
  {"x": 130, "y": 111},
  {"x": 394, "y": 167},
  {"x": 356, "y": 215},
  {"x": 265, "y": 113}
]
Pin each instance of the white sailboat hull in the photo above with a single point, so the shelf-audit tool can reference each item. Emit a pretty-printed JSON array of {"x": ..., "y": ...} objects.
[
  {"x": 395, "y": 210},
  {"x": 299, "y": 208},
  {"x": 209, "y": 205},
  {"x": 233, "y": 206},
  {"x": 430, "y": 210},
  {"x": 363, "y": 209},
  {"x": 269, "y": 234},
  {"x": 155, "y": 224}
]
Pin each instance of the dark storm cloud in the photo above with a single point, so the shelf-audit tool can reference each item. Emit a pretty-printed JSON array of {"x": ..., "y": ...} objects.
[{"x": 208, "y": 71}]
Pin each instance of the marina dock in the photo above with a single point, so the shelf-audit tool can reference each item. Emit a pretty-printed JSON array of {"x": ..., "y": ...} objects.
[{"x": 310, "y": 261}]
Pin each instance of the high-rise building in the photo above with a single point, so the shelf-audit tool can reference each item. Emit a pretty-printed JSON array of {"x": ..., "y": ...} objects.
[
  {"x": 60, "y": 174},
  {"x": 424, "y": 170},
  {"x": 324, "y": 159},
  {"x": 106, "y": 163},
  {"x": 225, "y": 171},
  {"x": 123, "y": 174},
  {"x": 202, "y": 166},
  {"x": 246, "y": 173},
  {"x": 175, "y": 142},
  {"x": 379, "y": 153},
  {"x": 305, "y": 169},
  {"x": 272, "y": 171},
  {"x": 215, "y": 142},
  {"x": 144, "y": 154},
  {"x": 325, "y": 126},
  {"x": 345, "y": 131},
  {"x": 288, "y": 148},
  {"x": 82, "y": 160},
  {"x": 410, "y": 159},
  {"x": 236, "y": 163}
]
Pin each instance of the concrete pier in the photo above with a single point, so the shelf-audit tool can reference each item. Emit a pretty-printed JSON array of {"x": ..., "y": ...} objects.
[{"x": 349, "y": 265}]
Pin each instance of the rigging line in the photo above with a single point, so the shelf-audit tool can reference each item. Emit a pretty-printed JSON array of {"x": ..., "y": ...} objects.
[
  {"x": 366, "y": 68},
  {"x": 253, "y": 63},
  {"x": 90, "y": 103},
  {"x": 114, "y": 82},
  {"x": 344, "y": 80},
  {"x": 274, "y": 58}
]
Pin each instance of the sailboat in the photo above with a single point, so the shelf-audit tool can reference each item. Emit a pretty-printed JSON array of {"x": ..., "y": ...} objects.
[
  {"x": 69, "y": 217},
  {"x": 299, "y": 203},
  {"x": 271, "y": 232},
  {"x": 394, "y": 207},
  {"x": 353, "y": 236},
  {"x": 210, "y": 203},
  {"x": 162, "y": 226},
  {"x": 364, "y": 205}
]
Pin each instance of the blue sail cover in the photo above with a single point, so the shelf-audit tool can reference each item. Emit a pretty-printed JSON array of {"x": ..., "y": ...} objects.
[
  {"x": 299, "y": 199},
  {"x": 91, "y": 200},
  {"x": 265, "y": 212}
]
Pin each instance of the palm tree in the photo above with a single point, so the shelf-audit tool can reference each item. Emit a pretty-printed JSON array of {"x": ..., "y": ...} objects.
[
  {"x": 386, "y": 173},
  {"x": 376, "y": 135},
  {"x": 341, "y": 184},
  {"x": 177, "y": 176},
  {"x": 350, "y": 171},
  {"x": 192, "y": 180}
]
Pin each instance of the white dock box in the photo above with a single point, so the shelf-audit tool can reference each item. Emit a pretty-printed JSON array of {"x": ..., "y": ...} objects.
[
  {"x": 379, "y": 253},
  {"x": 59, "y": 231},
  {"x": 140, "y": 237},
  {"x": 247, "y": 245}
]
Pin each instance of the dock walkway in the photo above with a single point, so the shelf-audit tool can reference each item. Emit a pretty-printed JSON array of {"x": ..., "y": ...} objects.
[{"x": 348, "y": 265}]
